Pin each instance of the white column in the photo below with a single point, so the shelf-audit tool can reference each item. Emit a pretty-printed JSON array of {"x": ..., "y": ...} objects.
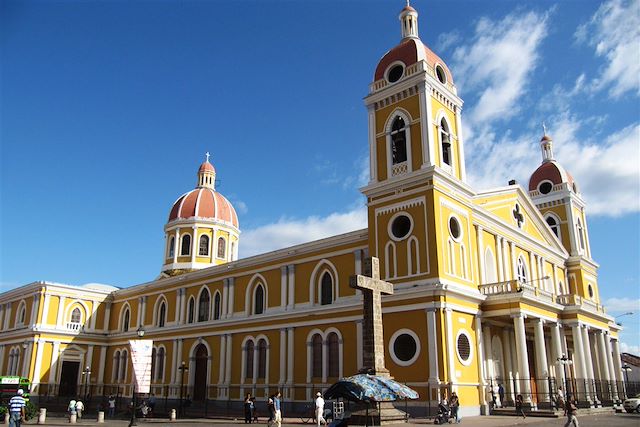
[
  {"x": 283, "y": 286},
  {"x": 283, "y": 359},
  {"x": 522, "y": 355},
  {"x": 488, "y": 357},
  {"x": 2, "y": 347},
  {"x": 290, "y": 356},
  {"x": 26, "y": 361},
  {"x": 227, "y": 367},
  {"x": 557, "y": 352},
  {"x": 194, "y": 243},
  {"x": 450, "y": 349},
  {"x": 255, "y": 364},
  {"x": 479, "y": 239},
  {"x": 223, "y": 358},
  {"x": 514, "y": 263},
  {"x": 53, "y": 370},
  {"x": 432, "y": 339},
  {"x": 61, "y": 306},
  {"x": 372, "y": 143},
  {"x": 34, "y": 309},
  {"x": 324, "y": 359},
  {"x": 587, "y": 352},
  {"x": 230, "y": 308},
  {"x": 609, "y": 362},
  {"x": 7, "y": 313},
  {"x": 176, "y": 246},
  {"x": 533, "y": 263},
  {"x": 225, "y": 298},
  {"x": 3, "y": 323},
  {"x": 359, "y": 355},
  {"x": 602, "y": 356},
  {"x": 617, "y": 362},
  {"x": 463, "y": 169},
  {"x": 429, "y": 145},
  {"x": 292, "y": 287},
  {"x": 36, "y": 380},
  {"x": 101, "y": 364},
  {"x": 480, "y": 350},
  {"x": 508, "y": 368},
  {"x": 578, "y": 358},
  {"x": 542, "y": 367}
]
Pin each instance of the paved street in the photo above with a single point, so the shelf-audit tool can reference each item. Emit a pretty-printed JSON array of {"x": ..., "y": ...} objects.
[{"x": 617, "y": 420}]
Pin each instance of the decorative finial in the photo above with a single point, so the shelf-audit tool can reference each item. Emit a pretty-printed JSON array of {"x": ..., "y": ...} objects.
[
  {"x": 544, "y": 129},
  {"x": 207, "y": 155},
  {"x": 408, "y": 3}
]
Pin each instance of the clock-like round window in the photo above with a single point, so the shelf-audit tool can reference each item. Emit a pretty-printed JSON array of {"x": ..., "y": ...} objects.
[
  {"x": 395, "y": 73},
  {"x": 463, "y": 347},
  {"x": 545, "y": 187},
  {"x": 404, "y": 347},
  {"x": 401, "y": 226},
  {"x": 454, "y": 228},
  {"x": 440, "y": 74}
]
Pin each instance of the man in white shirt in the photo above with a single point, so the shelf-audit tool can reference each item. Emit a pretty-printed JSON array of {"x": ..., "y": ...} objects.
[{"x": 320, "y": 410}]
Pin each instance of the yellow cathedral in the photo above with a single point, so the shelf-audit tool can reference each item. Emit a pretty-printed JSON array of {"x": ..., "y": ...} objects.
[{"x": 491, "y": 288}]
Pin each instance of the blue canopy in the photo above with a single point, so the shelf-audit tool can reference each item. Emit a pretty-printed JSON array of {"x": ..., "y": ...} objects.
[{"x": 369, "y": 388}]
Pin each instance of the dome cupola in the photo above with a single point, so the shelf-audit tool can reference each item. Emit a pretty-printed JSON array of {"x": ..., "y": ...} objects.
[{"x": 550, "y": 173}]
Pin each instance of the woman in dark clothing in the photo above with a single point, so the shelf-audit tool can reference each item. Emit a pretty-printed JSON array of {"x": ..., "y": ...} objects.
[
  {"x": 519, "y": 409},
  {"x": 454, "y": 404},
  {"x": 248, "y": 413},
  {"x": 272, "y": 412}
]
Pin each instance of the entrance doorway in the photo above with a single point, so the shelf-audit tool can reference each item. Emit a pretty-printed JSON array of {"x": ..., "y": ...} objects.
[
  {"x": 69, "y": 378},
  {"x": 200, "y": 374}
]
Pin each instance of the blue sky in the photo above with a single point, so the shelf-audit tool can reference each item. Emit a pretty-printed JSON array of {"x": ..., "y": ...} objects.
[{"x": 107, "y": 109}]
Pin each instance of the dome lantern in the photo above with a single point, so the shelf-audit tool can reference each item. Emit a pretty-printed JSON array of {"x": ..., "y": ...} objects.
[
  {"x": 546, "y": 145},
  {"x": 207, "y": 174},
  {"x": 409, "y": 22}
]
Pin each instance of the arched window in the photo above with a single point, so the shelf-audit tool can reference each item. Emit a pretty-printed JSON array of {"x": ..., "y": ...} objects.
[
  {"x": 76, "y": 315},
  {"x": 172, "y": 246},
  {"x": 413, "y": 258},
  {"x": 580, "y": 234},
  {"x": 222, "y": 246},
  {"x": 125, "y": 320},
  {"x": 185, "y": 247},
  {"x": 162, "y": 314},
  {"x": 153, "y": 363},
  {"x": 124, "y": 361},
  {"x": 326, "y": 289},
  {"x": 333, "y": 362},
  {"x": 160, "y": 364},
  {"x": 204, "y": 245},
  {"x": 191, "y": 310},
  {"x": 249, "y": 359},
  {"x": 398, "y": 141},
  {"x": 262, "y": 359},
  {"x": 116, "y": 366},
  {"x": 390, "y": 265},
  {"x": 22, "y": 314},
  {"x": 522, "y": 271},
  {"x": 316, "y": 356},
  {"x": 203, "y": 306},
  {"x": 216, "y": 306},
  {"x": 258, "y": 303},
  {"x": 445, "y": 141},
  {"x": 552, "y": 222}
]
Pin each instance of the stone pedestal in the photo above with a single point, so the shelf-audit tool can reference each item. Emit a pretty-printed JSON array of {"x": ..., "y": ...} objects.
[
  {"x": 101, "y": 416},
  {"x": 371, "y": 416},
  {"x": 42, "y": 416}
]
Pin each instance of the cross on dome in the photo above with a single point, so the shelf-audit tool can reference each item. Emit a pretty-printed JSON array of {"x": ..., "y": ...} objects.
[{"x": 207, "y": 156}]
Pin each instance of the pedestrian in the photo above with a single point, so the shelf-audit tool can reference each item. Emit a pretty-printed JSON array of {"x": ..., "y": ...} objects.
[
  {"x": 79, "y": 408},
  {"x": 501, "y": 394},
  {"x": 152, "y": 404},
  {"x": 276, "y": 406},
  {"x": 454, "y": 404},
  {"x": 16, "y": 409},
  {"x": 571, "y": 409},
  {"x": 254, "y": 409},
  {"x": 272, "y": 411},
  {"x": 71, "y": 409},
  {"x": 248, "y": 413},
  {"x": 560, "y": 404},
  {"x": 519, "y": 403},
  {"x": 320, "y": 410},
  {"x": 112, "y": 407}
]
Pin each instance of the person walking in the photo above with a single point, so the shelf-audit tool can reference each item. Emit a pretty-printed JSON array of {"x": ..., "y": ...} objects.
[
  {"x": 571, "y": 410},
  {"x": 71, "y": 409},
  {"x": 519, "y": 408},
  {"x": 272, "y": 412},
  {"x": 278, "y": 411},
  {"x": 501, "y": 395},
  {"x": 112, "y": 407},
  {"x": 16, "y": 409},
  {"x": 560, "y": 404},
  {"x": 320, "y": 410},
  {"x": 248, "y": 413},
  {"x": 454, "y": 404},
  {"x": 79, "y": 409}
]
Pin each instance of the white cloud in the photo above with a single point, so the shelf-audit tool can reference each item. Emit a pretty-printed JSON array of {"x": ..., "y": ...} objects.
[
  {"x": 288, "y": 232},
  {"x": 446, "y": 40},
  {"x": 240, "y": 206},
  {"x": 619, "y": 305},
  {"x": 627, "y": 348},
  {"x": 498, "y": 62},
  {"x": 614, "y": 32}
]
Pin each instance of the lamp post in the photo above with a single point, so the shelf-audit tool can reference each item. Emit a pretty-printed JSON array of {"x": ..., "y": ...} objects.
[
  {"x": 140, "y": 333},
  {"x": 628, "y": 313},
  {"x": 564, "y": 361},
  {"x": 183, "y": 368},
  {"x": 626, "y": 368},
  {"x": 86, "y": 374}
]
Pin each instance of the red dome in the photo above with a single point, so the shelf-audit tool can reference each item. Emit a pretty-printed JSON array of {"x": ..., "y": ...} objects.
[
  {"x": 410, "y": 51},
  {"x": 204, "y": 203},
  {"x": 206, "y": 166},
  {"x": 550, "y": 171}
]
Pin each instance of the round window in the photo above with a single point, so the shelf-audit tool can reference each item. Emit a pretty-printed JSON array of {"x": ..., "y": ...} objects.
[
  {"x": 395, "y": 73},
  {"x": 442, "y": 76},
  {"x": 545, "y": 187},
  {"x": 404, "y": 347},
  {"x": 454, "y": 227},
  {"x": 464, "y": 348},
  {"x": 401, "y": 226}
]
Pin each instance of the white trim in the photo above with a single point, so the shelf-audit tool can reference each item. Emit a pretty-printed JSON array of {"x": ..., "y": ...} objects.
[
  {"x": 392, "y": 340},
  {"x": 464, "y": 332},
  {"x": 250, "y": 293},
  {"x": 390, "y": 66},
  {"x": 393, "y": 218},
  {"x": 315, "y": 285}
]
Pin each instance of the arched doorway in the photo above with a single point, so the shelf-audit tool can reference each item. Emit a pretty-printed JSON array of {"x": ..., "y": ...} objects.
[{"x": 200, "y": 374}]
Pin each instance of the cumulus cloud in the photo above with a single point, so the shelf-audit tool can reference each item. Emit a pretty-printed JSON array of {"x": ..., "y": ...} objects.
[
  {"x": 497, "y": 62},
  {"x": 614, "y": 31},
  {"x": 290, "y": 231},
  {"x": 619, "y": 305},
  {"x": 627, "y": 348}
]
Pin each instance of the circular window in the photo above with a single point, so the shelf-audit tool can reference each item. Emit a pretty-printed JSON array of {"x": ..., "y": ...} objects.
[
  {"x": 454, "y": 228},
  {"x": 545, "y": 187},
  {"x": 442, "y": 76},
  {"x": 401, "y": 226},
  {"x": 590, "y": 288},
  {"x": 463, "y": 347},
  {"x": 395, "y": 73},
  {"x": 404, "y": 347}
]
